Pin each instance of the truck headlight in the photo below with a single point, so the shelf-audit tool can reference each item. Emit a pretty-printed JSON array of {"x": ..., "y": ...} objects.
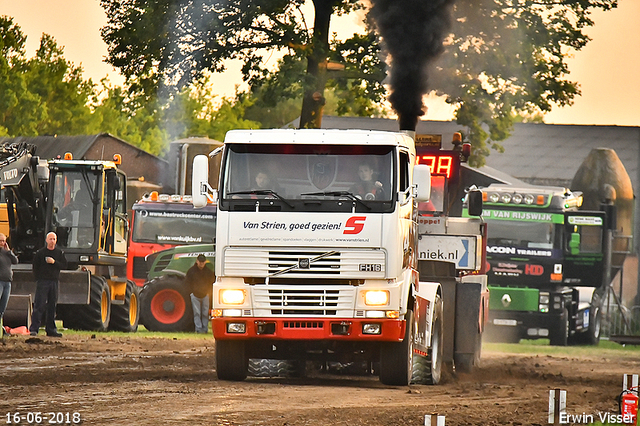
[
  {"x": 232, "y": 296},
  {"x": 376, "y": 297}
]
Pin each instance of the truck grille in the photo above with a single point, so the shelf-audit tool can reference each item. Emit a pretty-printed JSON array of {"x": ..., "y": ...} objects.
[
  {"x": 306, "y": 301},
  {"x": 346, "y": 263}
]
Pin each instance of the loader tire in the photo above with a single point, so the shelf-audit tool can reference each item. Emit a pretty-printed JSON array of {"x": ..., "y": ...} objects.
[
  {"x": 125, "y": 317},
  {"x": 165, "y": 305},
  {"x": 96, "y": 315}
]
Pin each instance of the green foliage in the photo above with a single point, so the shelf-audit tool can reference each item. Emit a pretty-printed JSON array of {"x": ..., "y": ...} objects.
[
  {"x": 172, "y": 43},
  {"x": 506, "y": 58}
]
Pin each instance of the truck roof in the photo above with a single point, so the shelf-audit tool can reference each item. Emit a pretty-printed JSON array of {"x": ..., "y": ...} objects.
[{"x": 320, "y": 136}]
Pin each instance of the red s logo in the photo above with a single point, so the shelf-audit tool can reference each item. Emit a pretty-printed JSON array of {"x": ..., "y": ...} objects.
[{"x": 354, "y": 225}]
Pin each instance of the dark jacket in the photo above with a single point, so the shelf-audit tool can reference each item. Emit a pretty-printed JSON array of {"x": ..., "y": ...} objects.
[
  {"x": 48, "y": 271},
  {"x": 7, "y": 258},
  {"x": 199, "y": 281}
]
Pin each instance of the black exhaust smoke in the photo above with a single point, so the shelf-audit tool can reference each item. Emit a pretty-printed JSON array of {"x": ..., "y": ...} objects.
[{"x": 412, "y": 32}]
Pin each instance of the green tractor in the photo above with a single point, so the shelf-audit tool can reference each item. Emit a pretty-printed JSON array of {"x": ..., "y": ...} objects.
[{"x": 165, "y": 304}]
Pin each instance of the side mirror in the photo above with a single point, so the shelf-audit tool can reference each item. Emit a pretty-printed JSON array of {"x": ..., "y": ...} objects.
[
  {"x": 422, "y": 182},
  {"x": 200, "y": 180},
  {"x": 474, "y": 200}
]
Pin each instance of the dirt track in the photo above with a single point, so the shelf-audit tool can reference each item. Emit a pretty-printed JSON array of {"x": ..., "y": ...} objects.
[{"x": 149, "y": 381}]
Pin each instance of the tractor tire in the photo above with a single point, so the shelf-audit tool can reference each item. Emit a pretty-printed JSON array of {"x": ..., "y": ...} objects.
[
  {"x": 125, "y": 317},
  {"x": 231, "y": 360},
  {"x": 165, "y": 305},
  {"x": 396, "y": 359},
  {"x": 428, "y": 370},
  {"x": 96, "y": 315}
]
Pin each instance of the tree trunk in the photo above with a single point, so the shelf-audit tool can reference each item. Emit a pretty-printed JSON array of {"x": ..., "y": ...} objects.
[{"x": 313, "y": 101}]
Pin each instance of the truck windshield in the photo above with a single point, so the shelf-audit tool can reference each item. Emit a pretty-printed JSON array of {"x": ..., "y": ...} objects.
[
  {"x": 173, "y": 227},
  {"x": 309, "y": 177},
  {"x": 74, "y": 206},
  {"x": 535, "y": 235}
]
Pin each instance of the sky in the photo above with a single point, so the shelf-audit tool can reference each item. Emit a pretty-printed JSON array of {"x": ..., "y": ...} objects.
[{"x": 608, "y": 68}]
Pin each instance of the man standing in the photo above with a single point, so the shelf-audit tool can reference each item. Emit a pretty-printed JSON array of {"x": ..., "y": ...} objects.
[
  {"x": 7, "y": 258},
  {"x": 47, "y": 263},
  {"x": 199, "y": 280}
]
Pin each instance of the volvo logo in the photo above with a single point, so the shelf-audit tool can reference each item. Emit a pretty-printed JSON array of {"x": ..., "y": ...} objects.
[
  {"x": 506, "y": 300},
  {"x": 304, "y": 263}
]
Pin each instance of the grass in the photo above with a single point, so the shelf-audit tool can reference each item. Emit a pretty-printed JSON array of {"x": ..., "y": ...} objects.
[
  {"x": 541, "y": 346},
  {"x": 142, "y": 332}
]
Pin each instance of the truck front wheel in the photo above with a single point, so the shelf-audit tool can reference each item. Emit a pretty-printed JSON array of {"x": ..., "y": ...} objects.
[
  {"x": 396, "y": 359},
  {"x": 231, "y": 360}
]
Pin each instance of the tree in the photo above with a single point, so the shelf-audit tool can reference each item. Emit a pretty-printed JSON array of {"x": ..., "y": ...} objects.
[
  {"x": 169, "y": 43},
  {"x": 500, "y": 58},
  {"x": 507, "y": 58},
  {"x": 42, "y": 95},
  {"x": 20, "y": 110},
  {"x": 61, "y": 90}
]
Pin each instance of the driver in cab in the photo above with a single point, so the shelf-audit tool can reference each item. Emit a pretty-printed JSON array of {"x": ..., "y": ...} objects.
[{"x": 367, "y": 188}]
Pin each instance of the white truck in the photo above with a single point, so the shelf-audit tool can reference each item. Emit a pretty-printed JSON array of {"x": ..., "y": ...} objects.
[{"x": 322, "y": 262}]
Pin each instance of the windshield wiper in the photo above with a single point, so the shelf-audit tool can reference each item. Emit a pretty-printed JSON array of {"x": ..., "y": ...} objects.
[
  {"x": 262, "y": 192},
  {"x": 347, "y": 194}
]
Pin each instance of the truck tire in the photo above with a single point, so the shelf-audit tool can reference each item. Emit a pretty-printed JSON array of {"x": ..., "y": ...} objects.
[
  {"x": 231, "y": 360},
  {"x": 125, "y": 317},
  {"x": 595, "y": 324},
  {"x": 592, "y": 335},
  {"x": 274, "y": 368},
  {"x": 96, "y": 315},
  {"x": 428, "y": 370},
  {"x": 396, "y": 359},
  {"x": 560, "y": 336},
  {"x": 165, "y": 305}
]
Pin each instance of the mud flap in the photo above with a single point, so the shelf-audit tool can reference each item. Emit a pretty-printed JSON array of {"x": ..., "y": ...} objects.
[{"x": 468, "y": 316}]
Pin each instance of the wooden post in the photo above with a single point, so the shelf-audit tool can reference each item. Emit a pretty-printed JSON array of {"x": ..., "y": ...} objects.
[
  {"x": 433, "y": 419},
  {"x": 557, "y": 405}
]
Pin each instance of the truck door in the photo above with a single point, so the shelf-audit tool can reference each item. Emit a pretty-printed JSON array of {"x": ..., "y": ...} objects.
[{"x": 583, "y": 249}]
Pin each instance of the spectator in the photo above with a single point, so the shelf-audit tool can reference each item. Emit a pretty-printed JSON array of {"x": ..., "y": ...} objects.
[
  {"x": 7, "y": 258},
  {"x": 47, "y": 263},
  {"x": 199, "y": 280}
]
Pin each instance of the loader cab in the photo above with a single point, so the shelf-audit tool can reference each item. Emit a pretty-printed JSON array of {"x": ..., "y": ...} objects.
[{"x": 88, "y": 211}]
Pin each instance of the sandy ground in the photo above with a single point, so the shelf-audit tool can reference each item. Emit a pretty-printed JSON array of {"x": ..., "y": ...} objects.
[{"x": 154, "y": 381}]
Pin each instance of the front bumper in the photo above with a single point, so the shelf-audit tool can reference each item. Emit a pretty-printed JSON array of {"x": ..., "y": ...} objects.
[
  {"x": 523, "y": 325},
  {"x": 342, "y": 329}
]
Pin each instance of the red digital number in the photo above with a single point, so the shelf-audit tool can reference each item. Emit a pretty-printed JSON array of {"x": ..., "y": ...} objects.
[{"x": 438, "y": 165}]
